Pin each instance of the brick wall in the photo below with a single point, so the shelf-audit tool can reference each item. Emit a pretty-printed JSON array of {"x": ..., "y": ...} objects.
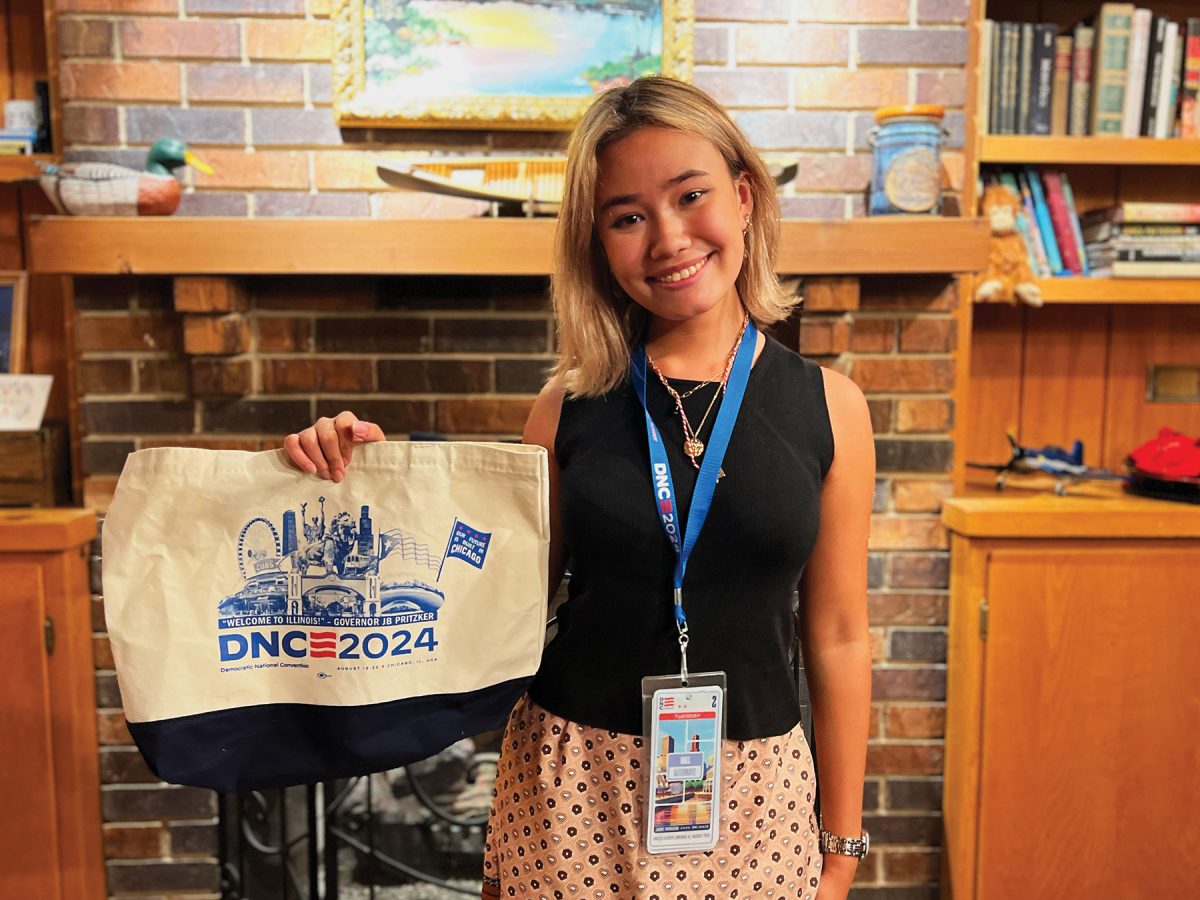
[
  {"x": 247, "y": 84},
  {"x": 896, "y": 338},
  {"x": 236, "y": 363}
]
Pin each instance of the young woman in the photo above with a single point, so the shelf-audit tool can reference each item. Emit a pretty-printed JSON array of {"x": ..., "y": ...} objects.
[{"x": 664, "y": 271}]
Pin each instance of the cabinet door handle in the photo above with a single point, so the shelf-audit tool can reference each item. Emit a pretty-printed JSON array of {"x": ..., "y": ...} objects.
[
  {"x": 983, "y": 619},
  {"x": 48, "y": 634}
]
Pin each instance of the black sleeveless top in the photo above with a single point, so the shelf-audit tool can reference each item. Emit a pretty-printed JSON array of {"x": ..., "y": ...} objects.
[{"x": 618, "y": 624}]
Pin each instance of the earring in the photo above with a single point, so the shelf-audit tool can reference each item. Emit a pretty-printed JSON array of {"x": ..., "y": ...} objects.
[{"x": 746, "y": 225}]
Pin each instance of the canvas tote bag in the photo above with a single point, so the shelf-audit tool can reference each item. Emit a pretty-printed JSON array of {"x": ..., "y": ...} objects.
[{"x": 272, "y": 628}]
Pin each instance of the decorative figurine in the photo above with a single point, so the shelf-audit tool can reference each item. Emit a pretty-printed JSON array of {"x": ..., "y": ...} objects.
[{"x": 106, "y": 189}]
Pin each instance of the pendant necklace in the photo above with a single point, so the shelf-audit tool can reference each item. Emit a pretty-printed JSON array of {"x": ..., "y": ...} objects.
[{"x": 693, "y": 447}]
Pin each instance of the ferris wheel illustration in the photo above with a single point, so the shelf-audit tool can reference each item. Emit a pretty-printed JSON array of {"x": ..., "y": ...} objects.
[{"x": 258, "y": 540}]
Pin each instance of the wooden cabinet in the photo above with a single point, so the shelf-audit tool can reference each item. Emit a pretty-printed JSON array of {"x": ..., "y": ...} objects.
[
  {"x": 50, "y": 823},
  {"x": 1072, "y": 713}
]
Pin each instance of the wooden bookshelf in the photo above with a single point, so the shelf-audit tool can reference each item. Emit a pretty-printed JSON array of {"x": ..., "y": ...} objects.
[
  {"x": 1018, "y": 149},
  {"x": 1120, "y": 290},
  {"x": 1075, "y": 368}
]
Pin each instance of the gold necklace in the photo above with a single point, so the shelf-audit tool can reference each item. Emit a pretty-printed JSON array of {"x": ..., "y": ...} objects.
[
  {"x": 693, "y": 390},
  {"x": 693, "y": 447}
]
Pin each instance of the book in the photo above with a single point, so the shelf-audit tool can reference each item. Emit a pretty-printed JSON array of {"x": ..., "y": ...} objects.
[
  {"x": 1135, "y": 72},
  {"x": 1164, "y": 114},
  {"x": 1177, "y": 79},
  {"x": 1155, "y": 269},
  {"x": 44, "y": 143},
  {"x": 1106, "y": 231},
  {"x": 1137, "y": 211},
  {"x": 1027, "y": 225},
  {"x": 1008, "y": 104},
  {"x": 1073, "y": 212},
  {"x": 1041, "y": 81},
  {"x": 1042, "y": 210},
  {"x": 1114, "y": 25},
  {"x": 1024, "y": 77},
  {"x": 1060, "y": 221},
  {"x": 17, "y": 141},
  {"x": 1168, "y": 253},
  {"x": 986, "y": 105},
  {"x": 1060, "y": 96},
  {"x": 1154, "y": 75},
  {"x": 1000, "y": 37},
  {"x": 1079, "y": 105},
  {"x": 1189, "y": 96}
]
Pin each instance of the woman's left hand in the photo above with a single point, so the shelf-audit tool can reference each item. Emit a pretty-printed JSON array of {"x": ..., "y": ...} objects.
[{"x": 837, "y": 875}]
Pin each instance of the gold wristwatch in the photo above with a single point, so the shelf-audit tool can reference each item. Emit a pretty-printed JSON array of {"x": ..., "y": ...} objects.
[{"x": 828, "y": 842}]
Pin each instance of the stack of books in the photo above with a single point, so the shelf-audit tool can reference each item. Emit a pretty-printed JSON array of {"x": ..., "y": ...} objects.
[
  {"x": 17, "y": 141},
  {"x": 1049, "y": 222},
  {"x": 1144, "y": 240},
  {"x": 1122, "y": 72}
]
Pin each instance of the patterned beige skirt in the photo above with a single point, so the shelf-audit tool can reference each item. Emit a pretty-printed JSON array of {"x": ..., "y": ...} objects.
[{"x": 566, "y": 819}]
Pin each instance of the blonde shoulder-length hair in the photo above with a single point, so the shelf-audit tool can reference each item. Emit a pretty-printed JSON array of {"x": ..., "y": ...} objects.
[{"x": 597, "y": 322}]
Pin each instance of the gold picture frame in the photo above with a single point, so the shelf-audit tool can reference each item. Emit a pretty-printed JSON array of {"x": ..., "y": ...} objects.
[
  {"x": 12, "y": 322},
  {"x": 421, "y": 63}
]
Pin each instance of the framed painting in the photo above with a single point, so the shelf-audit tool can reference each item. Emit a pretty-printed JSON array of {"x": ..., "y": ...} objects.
[
  {"x": 12, "y": 322},
  {"x": 498, "y": 64}
]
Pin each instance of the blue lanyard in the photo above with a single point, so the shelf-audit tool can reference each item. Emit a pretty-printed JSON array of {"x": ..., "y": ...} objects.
[{"x": 710, "y": 467}]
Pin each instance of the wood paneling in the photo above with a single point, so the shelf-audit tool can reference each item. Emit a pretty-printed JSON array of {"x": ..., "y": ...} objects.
[
  {"x": 26, "y": 46},
  {"x": 1060, "y": 373},
  {"x": 5, "y": 61},
  {"x": 1143, "y": 337},
  {"x": 48, "y": 315},
  {"x": 1063, "y": 380},
  {"x": 11, "y": 257},
  {"x": 1158, "y": 185},
  {"x": 994, "y": 396}
]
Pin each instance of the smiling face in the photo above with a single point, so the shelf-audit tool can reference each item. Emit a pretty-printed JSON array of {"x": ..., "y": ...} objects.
[{"x": 670, "y": 219}]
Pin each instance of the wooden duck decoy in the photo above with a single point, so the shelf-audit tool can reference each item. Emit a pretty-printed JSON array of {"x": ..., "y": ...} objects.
[{"x": 106, "y": 189}]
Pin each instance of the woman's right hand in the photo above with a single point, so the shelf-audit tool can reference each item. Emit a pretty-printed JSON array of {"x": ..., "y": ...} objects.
[{"x": 326, "y": 447}]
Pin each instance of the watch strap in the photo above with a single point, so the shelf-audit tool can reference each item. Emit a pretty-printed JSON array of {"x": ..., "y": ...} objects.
[{"x": 828, "y": 842}]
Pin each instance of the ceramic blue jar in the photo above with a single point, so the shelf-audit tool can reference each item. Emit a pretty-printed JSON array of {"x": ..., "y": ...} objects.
[{"x": 906, "y": 176}]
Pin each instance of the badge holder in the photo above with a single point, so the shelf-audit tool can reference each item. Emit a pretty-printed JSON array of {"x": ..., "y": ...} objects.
[{"x": 684, "y": 719}]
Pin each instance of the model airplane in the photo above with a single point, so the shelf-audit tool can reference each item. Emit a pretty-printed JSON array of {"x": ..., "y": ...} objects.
[{"x": 1066, "y": 466}]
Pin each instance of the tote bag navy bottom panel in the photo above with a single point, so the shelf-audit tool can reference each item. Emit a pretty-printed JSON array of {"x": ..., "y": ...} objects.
[{"x": 278, "y": 745}]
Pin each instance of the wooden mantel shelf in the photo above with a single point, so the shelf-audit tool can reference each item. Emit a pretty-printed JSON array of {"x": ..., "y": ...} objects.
[{"x": 225, "y": 246}]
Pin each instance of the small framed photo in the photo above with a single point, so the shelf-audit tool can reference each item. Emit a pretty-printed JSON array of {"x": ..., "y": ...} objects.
[
  {"x": 497, "y": 64},
  {"x": 12, "y": 322}
]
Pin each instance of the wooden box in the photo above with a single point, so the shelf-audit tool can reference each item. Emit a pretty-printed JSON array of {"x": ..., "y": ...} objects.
[{"x": 33, "y": 467}]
